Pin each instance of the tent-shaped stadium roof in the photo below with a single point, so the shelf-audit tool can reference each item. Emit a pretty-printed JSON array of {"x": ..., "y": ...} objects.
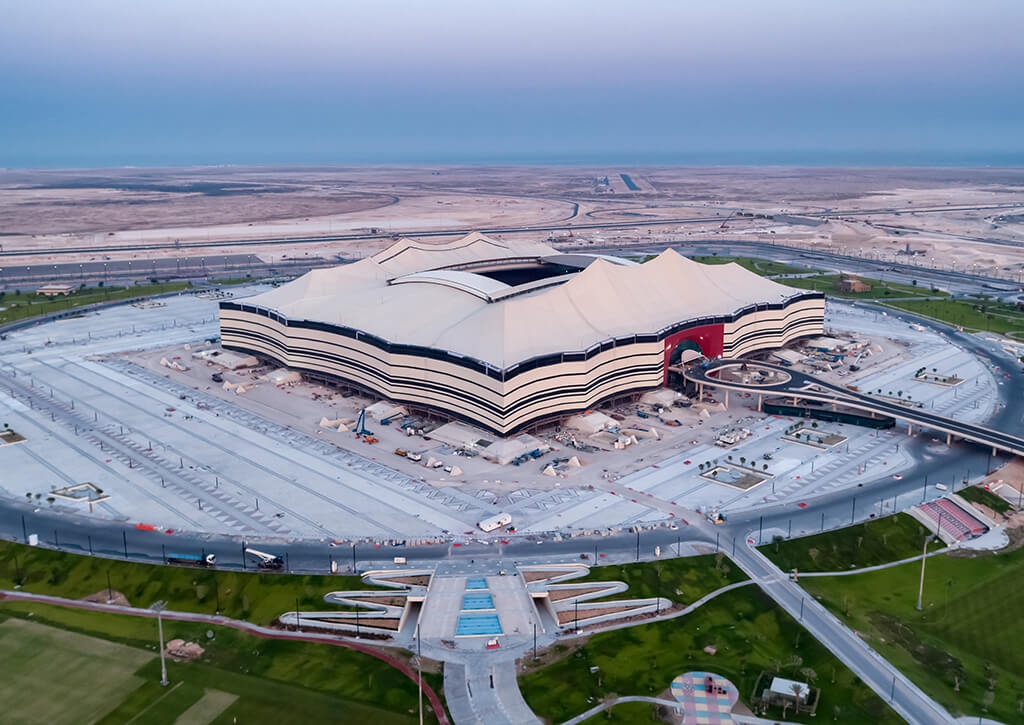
[{"x": 428, "y": 295}]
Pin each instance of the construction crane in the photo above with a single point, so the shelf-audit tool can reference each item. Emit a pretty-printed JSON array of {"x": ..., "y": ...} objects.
[
  {"x": 725, "y": 224},
  {"x": 265, "y": 560}
]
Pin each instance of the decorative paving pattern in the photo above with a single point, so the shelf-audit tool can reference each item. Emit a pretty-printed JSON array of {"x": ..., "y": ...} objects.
[{"x": 706, "y": 698}]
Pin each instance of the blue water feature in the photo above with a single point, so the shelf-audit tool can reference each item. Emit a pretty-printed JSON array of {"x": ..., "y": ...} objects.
[
  {"x": 477, "y": 601},
  {"x": 478, "y": 624},
  {"x": 476, "y": 583}
]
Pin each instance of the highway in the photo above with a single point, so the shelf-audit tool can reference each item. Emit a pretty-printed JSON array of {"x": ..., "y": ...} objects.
[{"x": 461, "y": 231}]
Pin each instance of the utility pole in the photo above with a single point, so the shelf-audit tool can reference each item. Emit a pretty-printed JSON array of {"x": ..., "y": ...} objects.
[
  {"x": 924, "y": 557},
  {"x": 419, "y": 669},
  {"x": 163, "y": 662}
]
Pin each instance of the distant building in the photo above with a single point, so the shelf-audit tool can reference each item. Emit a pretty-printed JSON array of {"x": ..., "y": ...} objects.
[
  {"x": 850, "y": 283},
  {"x": 55, "y": 290}
]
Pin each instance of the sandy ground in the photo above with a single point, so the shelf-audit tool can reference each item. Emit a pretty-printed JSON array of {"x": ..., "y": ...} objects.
[{"x": 60, "y": 210}]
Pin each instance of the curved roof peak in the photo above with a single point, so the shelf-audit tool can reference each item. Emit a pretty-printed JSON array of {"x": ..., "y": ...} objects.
[{"x": 408, "y": 256}]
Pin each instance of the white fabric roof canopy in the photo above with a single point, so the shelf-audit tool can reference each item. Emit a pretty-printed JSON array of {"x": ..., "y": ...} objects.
[{"x": 605, "y": 300}]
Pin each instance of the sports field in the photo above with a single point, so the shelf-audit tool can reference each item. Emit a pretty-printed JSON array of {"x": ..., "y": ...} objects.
[
  {"x": 968, "y": 635},
  {"x": 75, "y": 666},
  {"x": 55, "y": 676}
]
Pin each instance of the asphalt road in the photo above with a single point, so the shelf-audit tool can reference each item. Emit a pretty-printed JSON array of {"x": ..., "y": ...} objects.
[
  {"x": 807, "y": 387},
  {"x": 457, "y": 231}
]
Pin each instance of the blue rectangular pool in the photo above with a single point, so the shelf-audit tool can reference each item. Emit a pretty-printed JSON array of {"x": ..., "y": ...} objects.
[
  {"x": 471, "y": 625},
  {"x": 477, "y": 601},
  {"x": 476, "y": 583}
]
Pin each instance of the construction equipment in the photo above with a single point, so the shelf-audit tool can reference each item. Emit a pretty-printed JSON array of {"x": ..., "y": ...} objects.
[
  {"x": 265, "y": 560},
  {"x": 361, "y": 429},
  {"x": 192, "y": 560}
]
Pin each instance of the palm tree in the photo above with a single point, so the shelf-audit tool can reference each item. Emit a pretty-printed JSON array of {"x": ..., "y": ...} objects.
[{"x": 797, "y": 691}]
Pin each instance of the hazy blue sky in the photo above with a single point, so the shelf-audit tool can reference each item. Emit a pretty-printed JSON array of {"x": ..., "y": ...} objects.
[{"x": 104, "y": 82}]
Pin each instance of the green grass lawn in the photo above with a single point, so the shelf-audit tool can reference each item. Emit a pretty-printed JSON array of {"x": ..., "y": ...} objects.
[
  {"x": 763, "y": 267},
  {"x": 751, "y": 634},
  {"x": 683, "y": 580},
  {"x": 55, "y": 676},
  {"x": 829, "y": 283},
  {"x": 273, "y": 680},
  {"x": 969, "y": 630},
  {"x": 969, "y": 315},
  {"x": 878, "y": 541},
  {"x": 258, "y": 598},
  {"x": 234, "y": 280},
  {"x": 977, "y": 494},
  {"x": 20, "y": 306}
]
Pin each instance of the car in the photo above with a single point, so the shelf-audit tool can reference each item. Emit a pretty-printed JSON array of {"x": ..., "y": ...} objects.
[
  {"x": 897, "y": 476},
  {"x": 493, "y": 644},
  {"x": 942, "y": 486},
  {"x": 802, "y": 505}
]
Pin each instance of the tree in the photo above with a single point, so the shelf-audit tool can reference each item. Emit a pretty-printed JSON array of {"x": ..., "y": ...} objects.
[{"x": 798, "y": 690}]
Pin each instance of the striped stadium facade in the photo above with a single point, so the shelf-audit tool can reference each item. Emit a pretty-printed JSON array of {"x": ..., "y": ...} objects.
[{"x": 502, "y": 379}]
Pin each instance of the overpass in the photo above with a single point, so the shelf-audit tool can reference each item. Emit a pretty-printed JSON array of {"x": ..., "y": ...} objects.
[{"x": 801, "y": 386}]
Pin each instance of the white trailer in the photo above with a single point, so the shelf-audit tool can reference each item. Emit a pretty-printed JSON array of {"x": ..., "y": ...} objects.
[{"x": 495, "y": 522}]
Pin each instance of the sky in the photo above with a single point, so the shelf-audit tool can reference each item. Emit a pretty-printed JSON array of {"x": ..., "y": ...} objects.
[{"x": 180, "y": 82}]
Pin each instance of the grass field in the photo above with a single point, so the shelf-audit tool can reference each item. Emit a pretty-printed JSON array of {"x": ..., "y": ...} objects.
[
  {"x": 20, "y": 306},
  {"x": 254, "y": 597},
  {"x": 272, "y": 681},
  {"x": 683, "y": 580},
  {"x": 878, "y": 541},
  {"x": 752, "y": 635},
  {"x": 829, "y": 283},
  {"x": 969, "y": 631},
  {"x": 977, "y": 494},
  {"x": 988, "y": 316},
  {"x": 763, "y": 267},
  {"x": 90, "y": 675}
]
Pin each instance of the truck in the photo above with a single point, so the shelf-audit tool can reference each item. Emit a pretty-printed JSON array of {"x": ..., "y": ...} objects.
[
  {"x": 497, "y": 521},
  {"x": 265, "y": 560},
  {"x": 202, "y": 561}
]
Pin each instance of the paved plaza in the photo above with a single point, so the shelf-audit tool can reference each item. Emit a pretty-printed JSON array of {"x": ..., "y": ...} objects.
[{"x": 176, "y": 456}]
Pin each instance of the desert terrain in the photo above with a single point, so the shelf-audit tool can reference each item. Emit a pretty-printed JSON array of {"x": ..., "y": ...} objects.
[{"x": 964, "y": 219}]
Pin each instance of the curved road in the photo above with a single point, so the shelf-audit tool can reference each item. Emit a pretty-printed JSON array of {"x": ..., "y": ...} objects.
[{"x": 807, "y": 387}]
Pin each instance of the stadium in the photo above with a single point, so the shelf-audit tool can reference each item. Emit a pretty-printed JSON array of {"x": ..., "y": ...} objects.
[{"x": 510, "y": 334}]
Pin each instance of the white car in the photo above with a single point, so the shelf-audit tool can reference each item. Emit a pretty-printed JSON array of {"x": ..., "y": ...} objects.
[{"x": 941, "y": 486}]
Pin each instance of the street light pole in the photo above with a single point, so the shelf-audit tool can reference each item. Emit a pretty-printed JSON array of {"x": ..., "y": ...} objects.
[
  {"x": 163, "y": 662},
  {"x": 924, "y": 557},
  {"x": 419, "y": 669}
]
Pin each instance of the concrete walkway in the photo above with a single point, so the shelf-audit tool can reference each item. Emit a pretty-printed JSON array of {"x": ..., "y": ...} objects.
[
  {"x": 486, "y": 694},
  {"x": 737, "y": 718},
  {"x": 889, "y": 683}
]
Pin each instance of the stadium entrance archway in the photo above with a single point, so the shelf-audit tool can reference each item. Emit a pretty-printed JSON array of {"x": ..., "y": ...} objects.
[{"x": 684, "y": 352}]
